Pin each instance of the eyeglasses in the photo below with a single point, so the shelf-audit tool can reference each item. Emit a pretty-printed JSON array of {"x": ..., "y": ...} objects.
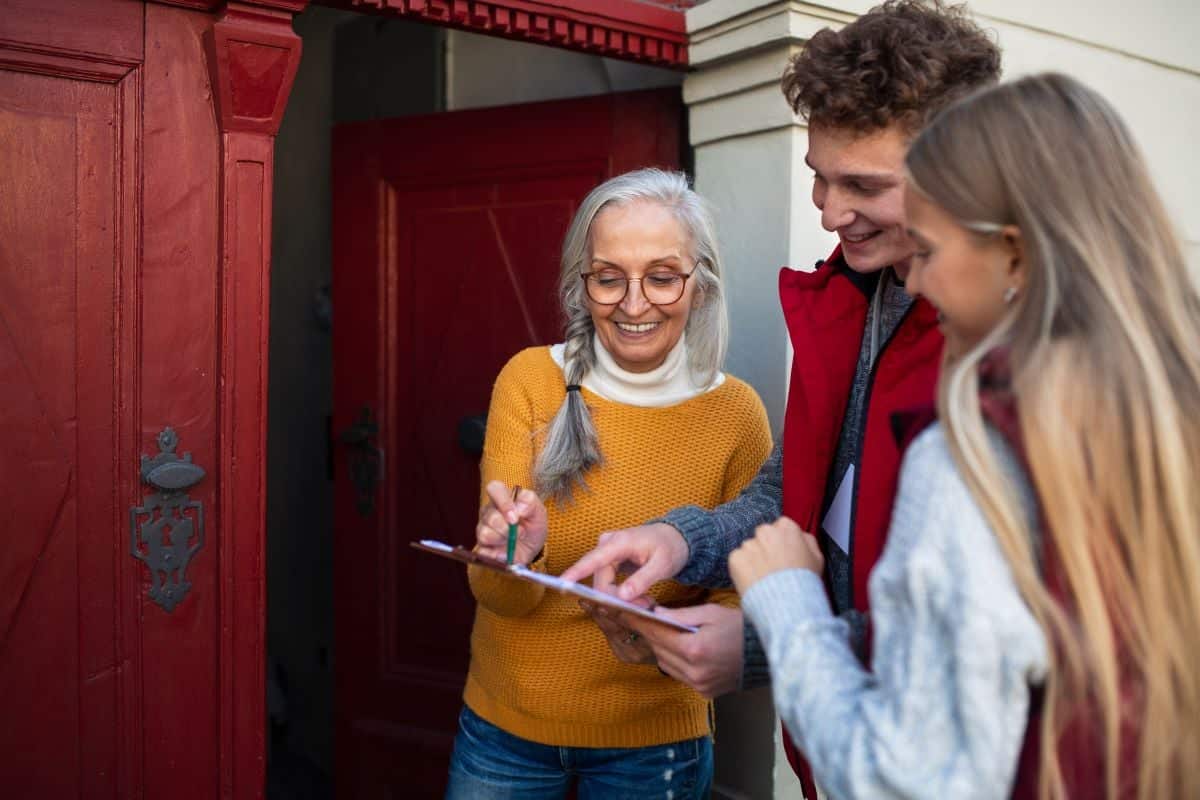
[{"x": 608, "y": 287}]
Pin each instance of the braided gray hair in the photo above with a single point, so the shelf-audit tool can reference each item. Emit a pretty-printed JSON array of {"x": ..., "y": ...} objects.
[{"x": 571, "y": 446}]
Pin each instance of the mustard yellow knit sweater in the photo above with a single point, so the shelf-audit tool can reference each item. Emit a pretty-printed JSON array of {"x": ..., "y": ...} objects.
[{"x": 540, "y": 668}]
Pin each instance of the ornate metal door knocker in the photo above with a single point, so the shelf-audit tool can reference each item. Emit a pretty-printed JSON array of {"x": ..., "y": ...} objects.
[
  {"x": 173, "y": 529},
  {"x": 366, "y": 459}
]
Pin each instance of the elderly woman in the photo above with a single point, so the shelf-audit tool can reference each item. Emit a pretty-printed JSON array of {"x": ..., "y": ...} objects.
[{"x": 627, "y": 418}]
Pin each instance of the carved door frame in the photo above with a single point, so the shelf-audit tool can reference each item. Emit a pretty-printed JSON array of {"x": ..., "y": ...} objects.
[{"x": 646, "y": 31}]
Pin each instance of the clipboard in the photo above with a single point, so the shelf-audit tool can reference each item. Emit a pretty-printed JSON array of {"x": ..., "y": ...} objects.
[{"x": 520, "y": 572}]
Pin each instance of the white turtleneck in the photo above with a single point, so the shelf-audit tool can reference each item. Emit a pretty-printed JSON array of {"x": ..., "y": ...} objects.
[{"x": 665, "y": 385}]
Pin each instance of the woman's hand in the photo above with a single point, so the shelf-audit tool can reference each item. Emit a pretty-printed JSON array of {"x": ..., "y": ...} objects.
[
  {"x": 527, "y": 510},
  {"x": 774, "y": 547},
  {"x": 627, "y": 644}
]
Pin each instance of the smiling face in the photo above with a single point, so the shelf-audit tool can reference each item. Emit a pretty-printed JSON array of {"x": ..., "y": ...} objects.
[
  {"x": 640, "y": 239},
  {"x": 963, "y": 274},
  {"x": 858, "y": 184}
]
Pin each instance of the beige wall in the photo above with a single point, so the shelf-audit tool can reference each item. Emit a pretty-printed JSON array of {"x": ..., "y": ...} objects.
[
  {"x": 486, "y": 71},
  {"x": 1113, "y": 49}
]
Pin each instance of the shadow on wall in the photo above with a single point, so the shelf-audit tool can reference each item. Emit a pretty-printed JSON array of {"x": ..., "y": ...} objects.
[{"x": 291, "y": 775}]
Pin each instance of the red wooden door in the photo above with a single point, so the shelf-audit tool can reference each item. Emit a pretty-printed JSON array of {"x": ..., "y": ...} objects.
[
  {"x": 110, "y": 275},
  {"x": 447, "y": 231},
  {"x": 63, "y": 626}
]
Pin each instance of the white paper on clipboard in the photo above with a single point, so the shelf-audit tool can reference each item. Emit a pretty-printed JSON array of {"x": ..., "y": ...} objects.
[{"x": 550, "y": 582}]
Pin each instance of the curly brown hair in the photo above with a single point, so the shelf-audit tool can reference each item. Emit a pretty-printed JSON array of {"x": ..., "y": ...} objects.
[{"x": 901, "y": 62}]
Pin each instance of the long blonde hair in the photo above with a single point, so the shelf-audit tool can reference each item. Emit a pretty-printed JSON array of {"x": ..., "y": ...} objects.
[{"x": 1104, "y": 343}]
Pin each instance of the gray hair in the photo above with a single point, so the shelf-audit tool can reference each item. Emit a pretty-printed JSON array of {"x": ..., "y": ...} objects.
[{"x": 571, "y": 446}]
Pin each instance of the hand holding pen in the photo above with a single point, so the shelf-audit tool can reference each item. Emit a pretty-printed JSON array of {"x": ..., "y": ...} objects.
[{"x": 505, "y": 507}]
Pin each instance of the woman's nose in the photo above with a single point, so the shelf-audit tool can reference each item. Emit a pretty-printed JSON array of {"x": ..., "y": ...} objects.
[
  {"x": 912, "y": 281},
  {"x": 635, "y": 301}
]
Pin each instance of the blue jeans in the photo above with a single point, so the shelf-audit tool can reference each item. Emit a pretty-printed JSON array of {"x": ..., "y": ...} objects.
[{"x": 490, "y": 764}]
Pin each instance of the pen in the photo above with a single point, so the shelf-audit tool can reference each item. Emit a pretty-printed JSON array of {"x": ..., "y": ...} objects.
[{"x": 512, "y": 532}]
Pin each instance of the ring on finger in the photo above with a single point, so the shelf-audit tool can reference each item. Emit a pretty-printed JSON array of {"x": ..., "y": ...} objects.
[{"x": 632, "y": 637}]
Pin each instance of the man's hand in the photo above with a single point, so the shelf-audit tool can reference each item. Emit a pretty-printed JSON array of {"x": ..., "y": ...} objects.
[
  {"x": 491, "y": 534},
  {"x": 778, "y": 546},
  {"x": 656, "y": 552},
  {"x": 710, "y": 660}
]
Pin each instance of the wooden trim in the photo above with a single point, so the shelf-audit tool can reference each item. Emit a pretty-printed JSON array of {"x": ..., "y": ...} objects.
[
  {"x": 625, "y": 29},
  {"x": 127, "y": 345},
  {"x": 253, "y": 54},
  {"x": 63, "y": 63},
  {"x": 291, "y": 6},
  {"x": 245, "y": 210},
  {"x": 102, "y": 42}
]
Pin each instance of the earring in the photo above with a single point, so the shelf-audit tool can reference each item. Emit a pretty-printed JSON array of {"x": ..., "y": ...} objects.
[{"x": 1009, "y": 294}]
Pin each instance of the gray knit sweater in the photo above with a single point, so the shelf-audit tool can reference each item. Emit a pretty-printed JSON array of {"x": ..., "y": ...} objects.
[
  {"x": 713, "y": 535},
  {"x": 942, "y": 710}
]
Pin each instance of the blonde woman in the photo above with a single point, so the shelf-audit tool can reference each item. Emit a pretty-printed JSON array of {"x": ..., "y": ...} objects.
[
  {"x": 630, "y": 416},
  {"x": 1036, "y": 613}
]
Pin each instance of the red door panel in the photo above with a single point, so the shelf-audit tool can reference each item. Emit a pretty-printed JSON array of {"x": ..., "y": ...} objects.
[
  {"x": 61, "y": 615},
  {"x": 447, "y": 231},
  {"x": 108, "y": 309}
]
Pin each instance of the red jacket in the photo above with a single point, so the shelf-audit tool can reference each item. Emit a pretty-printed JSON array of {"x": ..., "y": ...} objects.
[
  {"x": 1080, "y": 752},
  {"x": 826, "y": 318}
]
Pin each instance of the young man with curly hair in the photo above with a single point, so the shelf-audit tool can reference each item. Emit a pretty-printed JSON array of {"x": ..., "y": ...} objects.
[{"x": 863, "y": 348}]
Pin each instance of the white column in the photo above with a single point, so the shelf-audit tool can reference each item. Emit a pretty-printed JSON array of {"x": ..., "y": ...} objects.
[{"x": 749, "y": 163}]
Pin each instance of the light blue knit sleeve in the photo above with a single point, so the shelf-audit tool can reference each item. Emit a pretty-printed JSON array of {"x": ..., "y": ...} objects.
[{"x": 942, "y": 710}]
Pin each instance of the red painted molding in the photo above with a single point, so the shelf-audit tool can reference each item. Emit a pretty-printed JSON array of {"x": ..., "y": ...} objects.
[
  {"x": 244, "y": 286},
  {"x": 626, "y": 29},
  {"x": 253, "y": 54},
  {"x": 48, "y": 61},
  {"x": 37, "y": 37},
  {"x": 293, "y": 6}
]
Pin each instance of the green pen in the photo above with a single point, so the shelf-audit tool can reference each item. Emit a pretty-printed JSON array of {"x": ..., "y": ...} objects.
[{"x": 512, "y": 532}]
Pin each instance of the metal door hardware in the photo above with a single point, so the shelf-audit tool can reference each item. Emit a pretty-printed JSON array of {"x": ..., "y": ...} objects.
[
  {"x": 471, "y": 432},
  {"x": 366, "y": 459},
  {"x": 172, "y": 531}
]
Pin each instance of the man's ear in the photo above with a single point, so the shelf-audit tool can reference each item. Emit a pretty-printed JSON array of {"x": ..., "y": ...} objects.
[{"x": 1018, "y": 267}]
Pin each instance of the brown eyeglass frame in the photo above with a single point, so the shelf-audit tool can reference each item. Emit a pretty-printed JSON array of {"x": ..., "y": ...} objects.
[{"x": 588, "y": 292}]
